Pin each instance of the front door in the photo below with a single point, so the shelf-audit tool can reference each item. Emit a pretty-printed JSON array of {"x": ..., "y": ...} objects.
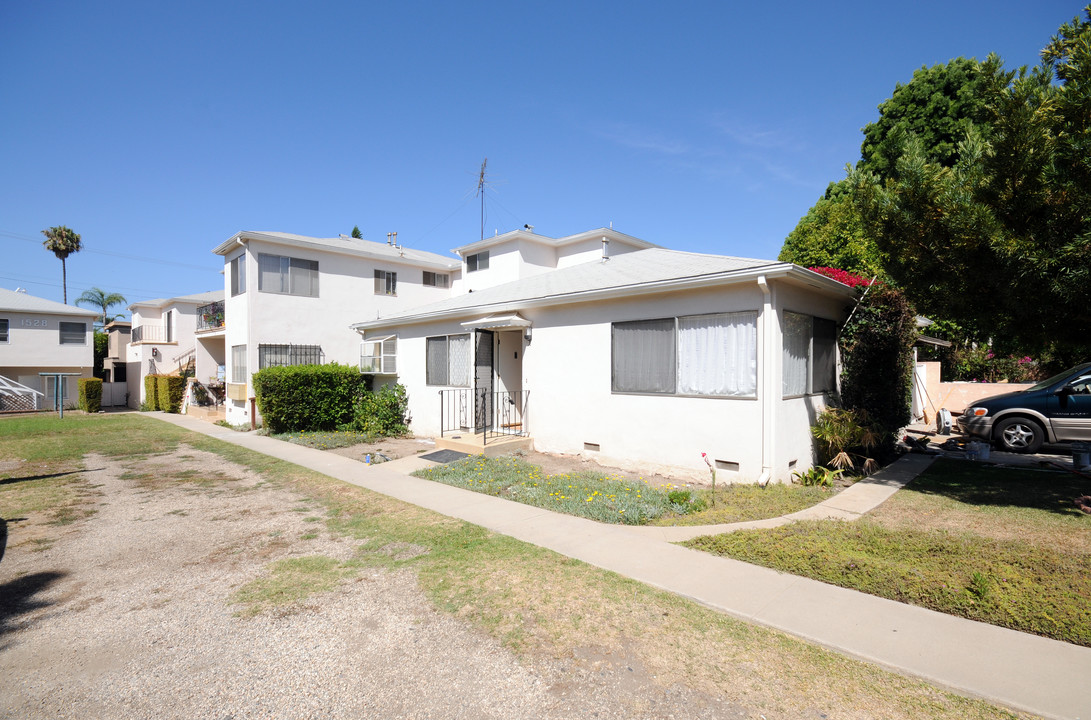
[{"x": 483, "y": 374}]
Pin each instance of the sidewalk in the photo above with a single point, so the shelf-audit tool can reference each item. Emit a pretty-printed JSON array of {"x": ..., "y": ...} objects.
[{"x": 1026, "y": 672}]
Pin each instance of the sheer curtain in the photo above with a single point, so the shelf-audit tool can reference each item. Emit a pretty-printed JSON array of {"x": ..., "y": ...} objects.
[
  {"x": 718, "y": 355},
  {"x": 797, "y": 348}
]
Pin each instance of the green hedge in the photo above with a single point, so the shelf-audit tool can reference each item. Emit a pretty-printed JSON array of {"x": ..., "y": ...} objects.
[
  {"x": 308, "y": 397},
  {"x": 90, "y": 393},
  {"x": 151, "y": 392},
  {"x": 171, "y": 388},
  {"x": 383, "y": 413}
]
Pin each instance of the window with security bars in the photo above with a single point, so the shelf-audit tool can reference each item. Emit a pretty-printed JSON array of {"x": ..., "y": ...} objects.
[
  {"x": 448, "y": 360},
  {"x": 281, "y": 355},
  {"x": 73, "y": 333},
  {"x": 3, "y": 330},
  {"x": 287, "y": 275},
  {"x": 379, "y": 355},
  {"x": 386, "y": 282}
]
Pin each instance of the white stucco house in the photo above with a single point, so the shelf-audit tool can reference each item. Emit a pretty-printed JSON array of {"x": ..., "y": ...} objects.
[
  {"x": 603, "y": 345},
  {"x": 164, "y": 339},
  {"x": 290, "y": 299},
  {"x": 36, "y": 336}
]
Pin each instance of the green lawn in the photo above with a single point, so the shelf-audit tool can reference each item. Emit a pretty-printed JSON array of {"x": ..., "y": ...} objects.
[
  {"x": 488, "y": 580},
  {"x": 1004, "y": 546}
]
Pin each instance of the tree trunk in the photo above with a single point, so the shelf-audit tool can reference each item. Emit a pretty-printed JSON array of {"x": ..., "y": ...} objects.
[{"x": 64, "y": 281}]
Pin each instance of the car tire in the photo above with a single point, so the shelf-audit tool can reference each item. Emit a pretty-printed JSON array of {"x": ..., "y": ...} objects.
[{"x": 1019, "y": 435}]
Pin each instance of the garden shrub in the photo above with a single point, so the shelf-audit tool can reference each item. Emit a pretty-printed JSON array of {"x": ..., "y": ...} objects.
[
  {"x": 877, "y": 361},
  {"x": 308, "y": 397},
  {"x": 90, "y": 394},
  {"x": 383, "y": 413},
  {"x": 151, "y": 392},
  {"x": 171, "y": 389}
]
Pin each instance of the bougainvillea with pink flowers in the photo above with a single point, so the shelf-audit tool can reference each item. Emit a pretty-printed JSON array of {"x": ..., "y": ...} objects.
[{"x": 843, "y": 276}]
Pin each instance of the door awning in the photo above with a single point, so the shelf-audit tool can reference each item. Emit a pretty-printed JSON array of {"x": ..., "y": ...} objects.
[{"x": 514, "y": 321}]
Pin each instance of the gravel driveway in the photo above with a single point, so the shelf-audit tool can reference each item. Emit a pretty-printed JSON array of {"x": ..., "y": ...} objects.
[{"x": 128, "y": 614}]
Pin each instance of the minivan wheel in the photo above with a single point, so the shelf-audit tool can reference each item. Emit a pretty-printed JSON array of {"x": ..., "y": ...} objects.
[{"x": 1019, "y": 435}]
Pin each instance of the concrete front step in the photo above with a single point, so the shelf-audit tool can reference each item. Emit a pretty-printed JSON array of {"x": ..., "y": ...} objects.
[{"x": 475, "y": 444}]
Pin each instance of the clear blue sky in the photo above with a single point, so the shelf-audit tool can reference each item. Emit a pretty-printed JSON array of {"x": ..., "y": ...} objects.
[{"x": 158, "y": 130}]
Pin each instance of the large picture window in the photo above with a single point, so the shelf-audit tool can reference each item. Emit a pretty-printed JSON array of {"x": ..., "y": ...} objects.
[
  {"x": 810, "y": 355},
  {"x": 448, "y": 360},
  {"x": 713, "y": 355},
  {"x": 287, "y": 275},
  {"x": 73, "y": 333}
]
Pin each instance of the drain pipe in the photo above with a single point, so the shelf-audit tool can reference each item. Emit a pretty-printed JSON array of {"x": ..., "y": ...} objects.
[{"x": 766, "y": 391}]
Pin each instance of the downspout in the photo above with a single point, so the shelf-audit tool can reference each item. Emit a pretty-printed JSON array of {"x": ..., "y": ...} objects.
[
  {"x": 252, "y": 409},
  {"x": 766, "y": 390}
]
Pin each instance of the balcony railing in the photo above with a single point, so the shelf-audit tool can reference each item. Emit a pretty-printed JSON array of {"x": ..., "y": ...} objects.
[
  {"x": 149, "y": 333},
  {"x": 210, "y": 317}
]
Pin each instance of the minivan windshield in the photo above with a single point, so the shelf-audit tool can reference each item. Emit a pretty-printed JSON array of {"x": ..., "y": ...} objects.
[{"x": 1057, "y": 378}]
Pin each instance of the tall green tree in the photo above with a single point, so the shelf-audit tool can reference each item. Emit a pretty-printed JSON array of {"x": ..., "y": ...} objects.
[
  {"x": 99, "y": 298},
  {"x": 356, "y": 232},
  {"x": 832, "y": 234},
  {"x": 937, "y": 106},
  {"x": 1001, "y": 240},
  {"x": 62, "y": 241}
]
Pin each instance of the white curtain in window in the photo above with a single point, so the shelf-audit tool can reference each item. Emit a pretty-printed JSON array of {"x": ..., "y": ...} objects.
[
  {"x": 458, "y": 359},
  {"x": 797, "y": 349},
  {"x": 718, "y": 354}
]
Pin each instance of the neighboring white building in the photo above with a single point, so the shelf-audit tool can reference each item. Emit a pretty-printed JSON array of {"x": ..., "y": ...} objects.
[
  {"x": 641, "y": 358},
  {"x": 164, "y": 340},
  {"x": 39, "y": 335},
  {"x": 291, "y": 298}
]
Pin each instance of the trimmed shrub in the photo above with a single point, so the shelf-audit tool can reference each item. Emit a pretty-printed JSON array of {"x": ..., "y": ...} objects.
[
  {"x": 151, "y": 392},
  {"x": 171, "y": 390},
  {"x": 90, "y": 394},
  {"x": 308, "y": 397},
  {"x": 383, "y": 413}
]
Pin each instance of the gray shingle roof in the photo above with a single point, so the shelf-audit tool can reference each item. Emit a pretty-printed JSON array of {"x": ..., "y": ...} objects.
[
  {"x": 630, "y": 270},
  {"x": 350, "y": 246},
  {"x": 21, "y": 302}
]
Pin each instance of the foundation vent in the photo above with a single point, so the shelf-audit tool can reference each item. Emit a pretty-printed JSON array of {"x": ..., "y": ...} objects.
[
  {"x": 727, "y": 465},
  {"x": 592, "y": 447}
]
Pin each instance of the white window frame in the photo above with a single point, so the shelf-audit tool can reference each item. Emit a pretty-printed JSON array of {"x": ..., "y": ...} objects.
[
  {"x": 379, "y": 356},
  {"x": 683, "y": 372},
  {"x": 238, "y": 352},
  {"x": 71, "y": 333},
  {"x": 285, "y": 267},
  {"x": 237, "y": 268},
  {"x": 435, "y": 279},
  {"x": 430, "y": 380},
  {"x": 477, "y": 261},
  {"x": 386, "y": 282}
]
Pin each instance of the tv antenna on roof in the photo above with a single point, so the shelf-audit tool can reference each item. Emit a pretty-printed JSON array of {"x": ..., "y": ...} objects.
[{"x": 481, "y": 193}]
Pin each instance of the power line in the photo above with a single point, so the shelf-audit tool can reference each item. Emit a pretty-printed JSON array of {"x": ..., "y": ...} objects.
[{"x": 138, "y": 258}]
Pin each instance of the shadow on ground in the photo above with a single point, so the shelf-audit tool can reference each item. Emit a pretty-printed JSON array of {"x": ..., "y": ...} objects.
[
  {"x": 978, "y": 484},
  {"x": 18, "y": 597}
]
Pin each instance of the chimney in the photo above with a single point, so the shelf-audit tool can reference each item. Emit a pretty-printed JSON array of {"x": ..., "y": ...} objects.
[{"x": 605, "y": 248}]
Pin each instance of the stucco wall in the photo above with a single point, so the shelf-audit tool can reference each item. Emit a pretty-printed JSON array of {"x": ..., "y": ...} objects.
[{"x": 34, "y": 340}]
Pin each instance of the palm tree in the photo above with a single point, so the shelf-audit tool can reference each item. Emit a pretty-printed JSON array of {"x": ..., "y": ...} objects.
[
  {"x": 97, "y": 297},
  {"x": 62, "y": 241}
]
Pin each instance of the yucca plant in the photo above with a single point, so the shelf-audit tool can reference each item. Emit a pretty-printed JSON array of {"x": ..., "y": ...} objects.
[{"x": 845, "y": 439}]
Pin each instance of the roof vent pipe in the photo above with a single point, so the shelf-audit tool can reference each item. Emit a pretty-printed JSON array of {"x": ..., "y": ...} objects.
[{"x": 605, "y": 248}]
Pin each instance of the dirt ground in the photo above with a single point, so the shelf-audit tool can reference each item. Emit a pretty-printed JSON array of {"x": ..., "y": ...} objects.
[
  {"x": 128, "y": 612},
  {"x": 551, "y": 463}
]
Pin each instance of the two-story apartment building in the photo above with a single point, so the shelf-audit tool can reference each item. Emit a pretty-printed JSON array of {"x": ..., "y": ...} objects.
[
  {"x": 39, "y": 335},
  {"x": 290, "y": 299},
  {"x": 164, "y": 339}
]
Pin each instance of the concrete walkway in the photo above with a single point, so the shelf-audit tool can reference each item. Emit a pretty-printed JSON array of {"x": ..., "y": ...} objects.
[{"x": 1026, "y": 672}]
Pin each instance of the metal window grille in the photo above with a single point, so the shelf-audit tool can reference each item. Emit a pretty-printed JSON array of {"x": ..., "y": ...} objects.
[
  {"x": 4, "y": 330},
  {"x": 281, "y": 355}
]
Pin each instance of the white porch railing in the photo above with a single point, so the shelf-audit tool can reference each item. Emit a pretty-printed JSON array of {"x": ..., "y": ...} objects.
[{"x": 16, "y": 397}]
